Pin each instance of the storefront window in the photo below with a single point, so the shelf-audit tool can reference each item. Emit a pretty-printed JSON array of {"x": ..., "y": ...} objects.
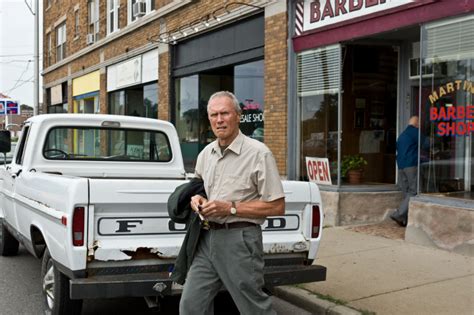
[
  {"x": 140, "y": 101},
  {"x": 249, "y": 90},
  {"x": 57, "y": 109},
  {"x": 318, "y": 89},
  {"x": 117, "y": 103},
  {"x": 187, "y": 118},
  {"x": 150, "y": 100},
  {"x": 87, "y": 103},
  {"x": 192, "y": 95},
  {"x": 447, "y": 112}
]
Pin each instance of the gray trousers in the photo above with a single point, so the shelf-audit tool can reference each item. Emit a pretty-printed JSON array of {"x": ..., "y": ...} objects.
[
  {"x": 231, "y": 258},
  {"x": 408, "y": 185}
]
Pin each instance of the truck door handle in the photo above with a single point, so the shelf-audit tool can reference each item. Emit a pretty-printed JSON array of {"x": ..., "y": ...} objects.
[{"x": 15, "y": 175}]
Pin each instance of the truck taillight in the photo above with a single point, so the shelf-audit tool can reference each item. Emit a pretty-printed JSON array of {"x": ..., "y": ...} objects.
[
  {"x": 78, "y": 226},
  {"x": 316, "y": 223}
]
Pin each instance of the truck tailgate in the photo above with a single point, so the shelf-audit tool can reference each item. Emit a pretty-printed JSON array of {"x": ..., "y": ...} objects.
[
  {"x": 130, "y": 216},
  {"x": 130, "y": 220}
]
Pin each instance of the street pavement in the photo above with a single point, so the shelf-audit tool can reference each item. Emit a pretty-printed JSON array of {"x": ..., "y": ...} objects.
[{"x": 386, "y": 276}]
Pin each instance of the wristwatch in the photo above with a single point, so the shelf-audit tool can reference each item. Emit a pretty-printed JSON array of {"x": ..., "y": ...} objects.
[{"x": 233, "y": 208}]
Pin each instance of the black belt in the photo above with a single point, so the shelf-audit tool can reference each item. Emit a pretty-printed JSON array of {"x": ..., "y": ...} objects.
[{"x": 234, "y": 225}]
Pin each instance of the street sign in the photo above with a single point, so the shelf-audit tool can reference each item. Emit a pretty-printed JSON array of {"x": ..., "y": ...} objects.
[
  {"x": 9, "y": 107},
  {"x": 12, "y": 108}
]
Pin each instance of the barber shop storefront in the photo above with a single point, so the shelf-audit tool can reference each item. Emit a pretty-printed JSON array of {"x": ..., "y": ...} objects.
[
  {"x": 362, "y": 69},
  {"x": 212, "y": 62}
]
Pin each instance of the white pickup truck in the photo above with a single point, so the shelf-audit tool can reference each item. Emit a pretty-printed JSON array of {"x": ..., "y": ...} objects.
[{"x": 88, "y": 195}]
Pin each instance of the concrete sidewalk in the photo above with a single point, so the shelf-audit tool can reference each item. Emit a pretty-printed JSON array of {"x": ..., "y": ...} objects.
[{"x": 386, "y": 276}]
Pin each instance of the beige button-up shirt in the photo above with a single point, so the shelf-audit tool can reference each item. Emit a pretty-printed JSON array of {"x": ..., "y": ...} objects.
[{"x": 245, "y": 171}]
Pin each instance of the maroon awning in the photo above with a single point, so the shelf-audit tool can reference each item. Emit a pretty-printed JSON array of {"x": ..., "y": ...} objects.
[{"x": 416, "y": 13}]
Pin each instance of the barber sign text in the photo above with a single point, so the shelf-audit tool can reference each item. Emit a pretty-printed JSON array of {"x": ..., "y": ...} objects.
[{"x": 320, "y": 13}]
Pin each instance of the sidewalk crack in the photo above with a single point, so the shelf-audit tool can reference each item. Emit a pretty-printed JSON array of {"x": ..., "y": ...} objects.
[{"x": 413, "y": 287}]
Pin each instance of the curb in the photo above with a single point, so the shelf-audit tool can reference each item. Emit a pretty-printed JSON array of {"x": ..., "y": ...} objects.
[{"x": 312, "y": 303}]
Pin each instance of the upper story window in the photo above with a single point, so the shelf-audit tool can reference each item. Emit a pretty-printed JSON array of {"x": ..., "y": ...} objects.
[
  {"x": 93, "y": 19},
  {"x": 49, "y": 47},
  {"x": 76, "y": 23},
  {"x": 61, "y": 42},
  {"x": 139, "y": 8},
  {"x": 112, "y": 15}
]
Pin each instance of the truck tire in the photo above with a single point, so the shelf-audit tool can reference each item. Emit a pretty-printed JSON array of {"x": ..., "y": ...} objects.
[
  {"x": 55, "y": 284},
  {"x": 8, "y": 243}
]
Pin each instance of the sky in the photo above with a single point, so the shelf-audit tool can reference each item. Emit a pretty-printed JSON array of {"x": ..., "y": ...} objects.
[{"x": 17, "y": 50}]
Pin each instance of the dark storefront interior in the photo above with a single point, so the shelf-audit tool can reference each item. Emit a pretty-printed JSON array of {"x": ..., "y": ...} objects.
[
  {"x": 230, "y": 58},
  {"x": 373, "y": 78},
  {"x": 370, "y": 107}
]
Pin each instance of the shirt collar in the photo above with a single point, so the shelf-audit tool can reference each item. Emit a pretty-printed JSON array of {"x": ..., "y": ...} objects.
[{"x": 235, "y": 146}]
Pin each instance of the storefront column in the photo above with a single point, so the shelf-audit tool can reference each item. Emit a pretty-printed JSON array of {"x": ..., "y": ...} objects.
[
  {"x": 70, "y": 105},
  {"x": 103, "y": 106},
  {"x": 164, "y": 82},
  {"x": 276, "y": 35}
]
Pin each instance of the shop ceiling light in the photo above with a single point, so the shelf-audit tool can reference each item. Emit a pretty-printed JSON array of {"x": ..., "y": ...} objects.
[{"x": 195, "y": 26}]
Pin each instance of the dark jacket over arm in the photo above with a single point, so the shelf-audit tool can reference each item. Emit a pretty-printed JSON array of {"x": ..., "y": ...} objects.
[{"x": 179, "y": 210}]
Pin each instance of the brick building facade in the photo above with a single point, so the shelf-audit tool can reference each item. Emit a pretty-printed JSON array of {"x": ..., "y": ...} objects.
[{"x": 96, "y": 59}]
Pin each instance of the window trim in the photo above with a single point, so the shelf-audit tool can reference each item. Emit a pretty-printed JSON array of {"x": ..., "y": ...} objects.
[
  {"x": 61, "y": 45},
  {"x": 49, "y": 52},
  {"x": 76, "y": 23},
  {"x": 93, "y": 18},
  {"x": 115, "y": 12}
]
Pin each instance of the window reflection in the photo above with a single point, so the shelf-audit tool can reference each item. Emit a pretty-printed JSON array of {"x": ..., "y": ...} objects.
[{"x": 447, "y": 115}]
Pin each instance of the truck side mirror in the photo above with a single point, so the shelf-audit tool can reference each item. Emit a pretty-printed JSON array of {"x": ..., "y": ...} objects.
[{"x": 5, "y": 141}]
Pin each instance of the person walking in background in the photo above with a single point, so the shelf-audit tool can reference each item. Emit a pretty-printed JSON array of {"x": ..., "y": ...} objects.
[
  {"x": 407, "y": 161},
  {"x": 243, "y": 187}
]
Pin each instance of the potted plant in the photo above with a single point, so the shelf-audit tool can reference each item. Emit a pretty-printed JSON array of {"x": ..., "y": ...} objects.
[{"x": 352, "y": 168}]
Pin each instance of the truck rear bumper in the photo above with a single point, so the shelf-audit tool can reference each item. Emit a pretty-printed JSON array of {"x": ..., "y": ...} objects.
[{"x": 158, "y": 283}]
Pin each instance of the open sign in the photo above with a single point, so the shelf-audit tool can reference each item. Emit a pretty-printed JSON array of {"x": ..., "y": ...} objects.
[{"x": 318, "y": 170}]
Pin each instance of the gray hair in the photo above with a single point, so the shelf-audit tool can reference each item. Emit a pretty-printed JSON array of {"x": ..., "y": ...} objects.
[{"x": 230, "y": 96}]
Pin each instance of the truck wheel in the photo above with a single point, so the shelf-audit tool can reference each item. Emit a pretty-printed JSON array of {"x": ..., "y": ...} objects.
[
  {"x": 56, "y": 299},
  {"x": 8, "y": 243}
]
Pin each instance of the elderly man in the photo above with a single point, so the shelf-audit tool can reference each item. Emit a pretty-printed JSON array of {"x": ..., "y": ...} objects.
[
  {"x": 407, "y": 161},
  {"x": 243, "y": 187}
]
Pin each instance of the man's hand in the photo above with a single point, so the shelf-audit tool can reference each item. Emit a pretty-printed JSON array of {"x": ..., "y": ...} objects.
[
  {"x": 197, "y": 202},
  {"x": 216, "y": 208}
]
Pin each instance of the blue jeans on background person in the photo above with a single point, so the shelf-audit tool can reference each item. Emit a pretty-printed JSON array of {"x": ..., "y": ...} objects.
[{"x": 408, "y": 185}]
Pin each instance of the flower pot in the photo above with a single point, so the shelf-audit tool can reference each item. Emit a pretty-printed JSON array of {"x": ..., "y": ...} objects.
[{"x": 354, "y": 176}]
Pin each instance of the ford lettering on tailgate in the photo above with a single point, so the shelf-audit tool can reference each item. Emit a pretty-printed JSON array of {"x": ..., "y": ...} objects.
[{"x": 163, "y": 225}]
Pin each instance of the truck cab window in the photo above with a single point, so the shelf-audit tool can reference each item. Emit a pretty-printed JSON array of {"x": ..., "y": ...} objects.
[
  {"x": 21, "y": 149},
  {"x": 82, "y": 143}
]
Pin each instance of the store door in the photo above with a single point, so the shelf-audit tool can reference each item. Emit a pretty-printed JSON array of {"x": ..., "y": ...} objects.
[{"x": 369, "y": 115}]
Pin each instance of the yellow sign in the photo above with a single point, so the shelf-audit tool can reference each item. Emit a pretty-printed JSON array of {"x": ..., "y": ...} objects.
[{"x": 86, "y": 84}]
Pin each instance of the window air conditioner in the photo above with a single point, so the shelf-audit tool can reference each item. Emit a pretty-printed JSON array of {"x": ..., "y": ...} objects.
[
  {"x": 139, "y": 8},
  {"x": 90, "y": 39}
]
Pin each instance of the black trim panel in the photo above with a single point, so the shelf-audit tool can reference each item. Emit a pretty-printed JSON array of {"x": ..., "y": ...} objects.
[{"x": 137, "y": 285}]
